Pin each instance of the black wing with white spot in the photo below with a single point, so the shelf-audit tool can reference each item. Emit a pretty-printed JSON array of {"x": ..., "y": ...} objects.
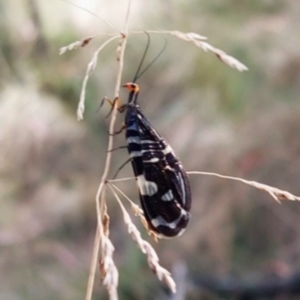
[{"x": 163, "y": 184}]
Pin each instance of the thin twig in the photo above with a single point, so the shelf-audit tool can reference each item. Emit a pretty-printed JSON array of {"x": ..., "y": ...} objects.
[
  {"x": 76, "y": 45},
  {"x": 98, "y": 238},
  {"x": 108, "y": 156},
  {"x": 90, "y": 68},
  {"x": 120, "y": 179},
  {"x": 153, "y": 260},
  {"x": 120, "y": 61},
  {"x": 191, "y": 34},
  {"x": 198, "y": 40},
  {"x": 276, "y": 193},
  {"x": 137, "y": 210},
  {"x": 108, "y": 270},
  {"x": 93, "y": 14},
  {"x": 92, "y": 273}
]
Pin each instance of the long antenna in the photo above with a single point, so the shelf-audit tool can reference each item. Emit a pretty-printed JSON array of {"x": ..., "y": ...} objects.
[
  {"x": 143, "y": 58},
  {"x": 153, "y": 60},
  {"x": 138, "y": 74}
]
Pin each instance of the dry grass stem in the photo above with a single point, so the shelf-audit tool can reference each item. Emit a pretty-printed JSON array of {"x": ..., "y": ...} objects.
[
  {"x": 94, "y": 261},
  {"x": 188, "y": 36},
  {"x": 138, "y": 212},
  {"x": 120, "y": 179},
  {"x": 109, "y": 271},
  {"x": 184, "y": 36},
  {"x": 91, "y": 13},
  {"x": 91, "y": 67},
  {"x": 135, "y": 208},
  {"x": 197, "y": 39},
  {"x": 277, "y": 194},
  {"x": 110, "y": 278},
  {"x": 102, "y": 234},
  {"x": 76, "y": 45},
  {"x": 153, "y": 260}
]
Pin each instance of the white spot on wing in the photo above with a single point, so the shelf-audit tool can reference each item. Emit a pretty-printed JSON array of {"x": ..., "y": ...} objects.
[
  {"x": 168, "y": 150},
  {"x": 160, "y": 221},
  {"x": 148, "y": 142},
  {"x": 134, "y": 139},
  {"x": 133, "y": 126},
  {"x": 147, "y": 188},
  {"x": 152, "y": 160},
  {"x": 135, "y": 154},
  {"x": 168, "y": 196}
]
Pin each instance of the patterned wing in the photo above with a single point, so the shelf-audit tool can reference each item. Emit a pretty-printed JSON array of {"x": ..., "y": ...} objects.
[{"x": 163, "y": 185}]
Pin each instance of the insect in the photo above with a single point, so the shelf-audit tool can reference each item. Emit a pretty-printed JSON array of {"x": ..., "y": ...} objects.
[{"x": 162, "y": 182}]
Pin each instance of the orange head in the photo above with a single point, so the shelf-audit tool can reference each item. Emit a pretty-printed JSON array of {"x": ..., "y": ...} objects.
[{"x": 132, "y": 87}]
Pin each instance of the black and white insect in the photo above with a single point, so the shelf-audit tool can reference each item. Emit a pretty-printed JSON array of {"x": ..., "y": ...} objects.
[{"x": 162, "y": 182}]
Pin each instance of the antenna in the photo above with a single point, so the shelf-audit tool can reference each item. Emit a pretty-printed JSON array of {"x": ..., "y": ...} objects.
[
  {"x": 138, "y": 73},
  {"x": 143, "y": 58}
]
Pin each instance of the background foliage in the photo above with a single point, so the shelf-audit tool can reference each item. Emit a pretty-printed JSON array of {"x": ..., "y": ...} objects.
[{"x": 215, "y": 118}]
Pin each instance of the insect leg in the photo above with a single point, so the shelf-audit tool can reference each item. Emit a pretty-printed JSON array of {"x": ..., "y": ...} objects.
[
  {"x": 118, "y": 131},
  {"x": 112, "y": 104},
  {"x": 121, "y": 167},
  {"x": 122, "y": 108},
  {"x": 113, "y": 149},
  {"x": 107, "y": 100}
]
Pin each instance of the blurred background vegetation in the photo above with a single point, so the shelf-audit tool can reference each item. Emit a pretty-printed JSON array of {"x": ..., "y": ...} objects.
[{"x": 215, "y": 118}]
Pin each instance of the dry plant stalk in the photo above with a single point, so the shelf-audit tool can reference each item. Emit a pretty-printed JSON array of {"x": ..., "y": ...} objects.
[
  {"x": 111, "y": 283},
  {"x": 137, "y": 212},
  {"x": 90, "y": 68},
  {"x": 277, "y": 194},
  {"x": 76, "y": 45},
  {"x": 153, "y": 260},
  {"x": 108, "y": 271},
  {"x": 134, "y": 207},
  {"x": 198, "y": 40},
  {"x": 102, "y": 243}
]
